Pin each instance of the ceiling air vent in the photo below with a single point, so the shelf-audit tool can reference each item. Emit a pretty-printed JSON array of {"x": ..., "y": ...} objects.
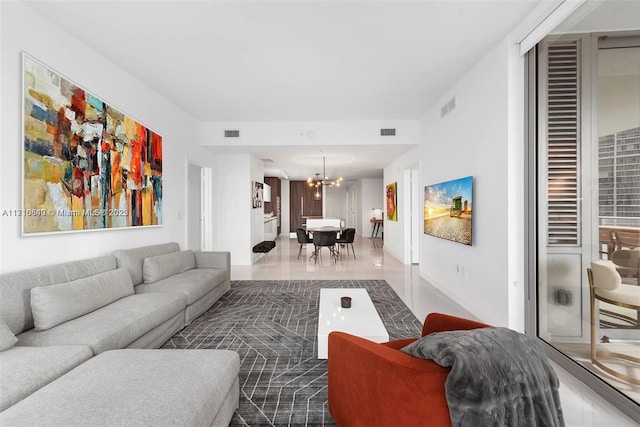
[
  {"x": 387, "y": 132},
  {"x": 232, "y": 134},
  {"x": 446, "y": 108}
]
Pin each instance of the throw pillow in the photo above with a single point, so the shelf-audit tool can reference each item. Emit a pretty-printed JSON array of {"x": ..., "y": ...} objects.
[
  {"x": 54, "y": 304},
  {"x": 163, "y": 266},
  {"x": 7, "y": 339}
]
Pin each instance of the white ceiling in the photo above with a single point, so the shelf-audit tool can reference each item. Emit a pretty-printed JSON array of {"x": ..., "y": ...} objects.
[
  {"x": 295, "y": 60},
  {"x": 351, "y": 162},
  {"x": 601, "y": 16}
]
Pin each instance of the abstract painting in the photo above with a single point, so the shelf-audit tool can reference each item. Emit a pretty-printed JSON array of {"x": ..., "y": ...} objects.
[
  {"x": 258, "y": 190},
  {"x": 448, "y": 207},
  {"x": 87, "y": 165},
  {"x": 392, "y": 202}
]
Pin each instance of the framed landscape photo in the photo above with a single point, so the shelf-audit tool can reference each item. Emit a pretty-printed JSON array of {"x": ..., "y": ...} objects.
[
  {"x": 86, "y": 164},
  {"x": 392, "y": 201},
  {"x": 448, "y": 209}
]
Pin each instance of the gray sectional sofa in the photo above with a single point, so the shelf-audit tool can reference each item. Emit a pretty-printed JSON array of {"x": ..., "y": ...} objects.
[
  {"x": 202, "y": 277},
  {"x": 63, "y": 328}
]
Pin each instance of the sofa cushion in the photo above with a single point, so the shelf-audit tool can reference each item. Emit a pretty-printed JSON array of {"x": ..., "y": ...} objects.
[
  {"x": 15, "y": 295},
  {"x": 136, "y": 388},
  {"x": 55, "y": 304},
  {"x": 132, "y": 259},
  {"x": 113, "y": 326},
  {"x": 7, "y": 339},
  {"x": 194, "y": 284},
  {"x": 163, "y": 266},
  {"x": 27, "y": 369},
  {"x": 210, "y": 259}
]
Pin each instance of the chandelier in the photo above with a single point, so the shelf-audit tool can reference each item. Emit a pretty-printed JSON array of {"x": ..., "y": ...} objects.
[{"x": 318, "y": 183}]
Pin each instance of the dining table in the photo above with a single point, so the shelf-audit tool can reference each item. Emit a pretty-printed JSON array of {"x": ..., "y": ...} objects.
[{"x": 323, "y": 229}]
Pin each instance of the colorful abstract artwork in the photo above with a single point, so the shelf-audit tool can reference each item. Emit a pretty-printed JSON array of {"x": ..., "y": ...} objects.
[
  {"x": 87, "y": 165},
  {"x": 392, "y": 202},
  {"x": 448, "y": 208}
]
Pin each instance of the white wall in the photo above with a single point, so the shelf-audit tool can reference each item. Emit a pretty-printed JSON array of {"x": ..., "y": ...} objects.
[
  {"x": 335, "y": 202},
  {"x": 257, "y": 214},
  {"x": 473, "y": 139},
  {"x": 285, "y": 200},
  {"x": 353, "y": 205},
  {"x": 372, "y": 197},
  {"x": 394, "y": 231},
  {"x": 76, "y": 61},
  {"x": 364, "y": 132},
  {"x": 237, "y": 226},
  {"x": 233, "y": 223}
]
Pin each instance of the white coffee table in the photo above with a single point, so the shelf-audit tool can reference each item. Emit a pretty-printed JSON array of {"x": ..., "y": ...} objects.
[{"x": 361, "y": 319}]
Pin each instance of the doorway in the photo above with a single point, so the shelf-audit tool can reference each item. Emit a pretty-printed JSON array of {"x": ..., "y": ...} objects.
[
  {"x": 352, "y": 208},
  {"x": 412, "y": 216},
  {"x": 195, "y": 215},
  {"x": 416, "y": 216}
]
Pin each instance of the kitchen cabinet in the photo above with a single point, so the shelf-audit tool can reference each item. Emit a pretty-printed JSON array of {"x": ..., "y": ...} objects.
[
  {"x": 302, "y": 204},
  {"x": 270, "y": 228},
  {"x": 275, "y": 202}
]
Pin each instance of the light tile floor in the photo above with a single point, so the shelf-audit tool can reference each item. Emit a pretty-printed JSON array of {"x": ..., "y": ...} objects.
[{"x": 581, "y": 406}]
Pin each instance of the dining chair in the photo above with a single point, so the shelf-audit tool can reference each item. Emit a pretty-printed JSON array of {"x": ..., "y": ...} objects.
[
  {"x": 347, "y": 237},
  {"x": 303, "y": 239},
  {"x": 324, "y": 239}
]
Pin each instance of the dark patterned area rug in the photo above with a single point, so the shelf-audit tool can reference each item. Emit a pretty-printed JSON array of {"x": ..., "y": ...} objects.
[{"x": 273, "y": 327}]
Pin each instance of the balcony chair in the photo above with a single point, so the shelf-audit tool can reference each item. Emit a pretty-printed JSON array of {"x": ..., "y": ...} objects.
[
  {"x": 626, "y": 239},
  {"x": 627, "y": 263},
  {"x": 303, "y": 239},
  {"x": 347, "y": 237},
  {"x": 605, "y": 284},
  {"x": 374, "y": 384},
  {"x": 607, "y": 243}
]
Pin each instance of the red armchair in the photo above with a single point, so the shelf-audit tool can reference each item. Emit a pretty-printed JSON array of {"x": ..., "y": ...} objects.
[{"x": 374, "y": 384}]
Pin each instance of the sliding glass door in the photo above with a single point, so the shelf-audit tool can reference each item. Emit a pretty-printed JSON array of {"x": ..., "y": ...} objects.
[{"x": 587, "y": 181}]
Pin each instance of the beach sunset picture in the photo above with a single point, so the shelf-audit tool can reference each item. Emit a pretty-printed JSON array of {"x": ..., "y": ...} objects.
[{"x": 448, "y": 208}]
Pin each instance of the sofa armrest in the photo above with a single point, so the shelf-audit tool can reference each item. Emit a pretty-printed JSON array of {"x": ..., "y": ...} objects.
[
  {"x": 213, "y": 259},
  {"x": 374, "y": 385},
  {"x": 438, "y": 322}
]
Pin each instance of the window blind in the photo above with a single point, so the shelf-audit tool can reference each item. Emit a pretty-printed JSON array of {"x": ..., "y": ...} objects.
[{"x": 563, "y": 148}]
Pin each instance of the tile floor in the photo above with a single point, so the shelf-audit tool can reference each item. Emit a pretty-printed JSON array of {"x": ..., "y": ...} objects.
[{"x": 582, "y": 407}]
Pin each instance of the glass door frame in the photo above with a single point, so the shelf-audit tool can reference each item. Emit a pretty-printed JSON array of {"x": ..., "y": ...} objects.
[{"x": 531, "y": 200}]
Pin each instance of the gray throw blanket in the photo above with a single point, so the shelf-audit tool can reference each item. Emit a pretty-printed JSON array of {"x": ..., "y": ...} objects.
[{"x": 498, "y": 377}]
